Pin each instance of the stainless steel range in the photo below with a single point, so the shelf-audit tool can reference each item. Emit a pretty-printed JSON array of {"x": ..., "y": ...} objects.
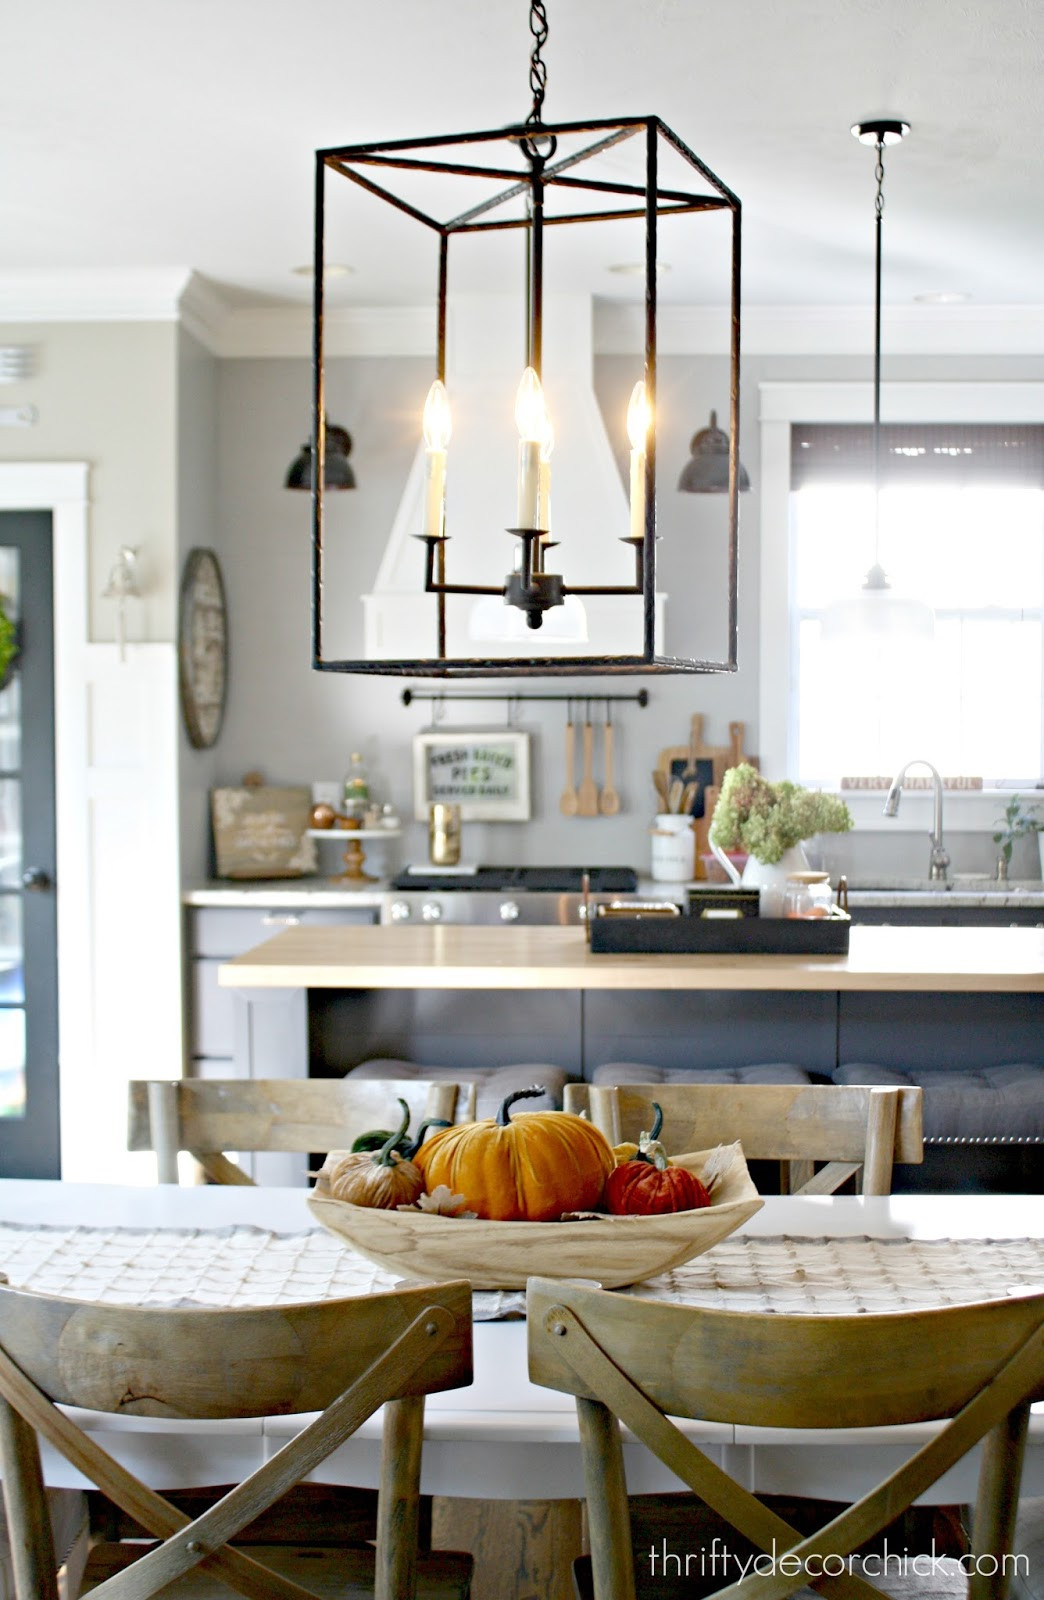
[{"x": 490, "y": 895}]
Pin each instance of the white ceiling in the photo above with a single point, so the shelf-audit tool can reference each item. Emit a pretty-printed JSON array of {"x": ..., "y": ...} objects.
[{"x": 179, "y": 134}]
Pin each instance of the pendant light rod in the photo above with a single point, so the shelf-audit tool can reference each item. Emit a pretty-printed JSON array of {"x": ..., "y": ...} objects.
[{"x": 879, "y": 134}]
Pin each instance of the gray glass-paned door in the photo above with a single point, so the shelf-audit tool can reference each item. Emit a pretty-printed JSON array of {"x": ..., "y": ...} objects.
[{"x": 29, "y": 1126}]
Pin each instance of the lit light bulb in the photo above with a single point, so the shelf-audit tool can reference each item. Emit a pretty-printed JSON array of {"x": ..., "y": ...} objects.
[
  {"x": 533, "y": 424},
  {"x": 531, "y": 408},
  {"x": 639, "y": 418},
  {"x": 438, "y": 425}
]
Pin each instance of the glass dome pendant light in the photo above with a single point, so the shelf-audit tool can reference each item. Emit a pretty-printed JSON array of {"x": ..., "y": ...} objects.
[{"x": 876, "y": 611}]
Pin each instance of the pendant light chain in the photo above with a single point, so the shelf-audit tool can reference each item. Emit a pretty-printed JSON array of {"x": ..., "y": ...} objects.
[
  {"x": 878, "y": 214},
  {"x": 538, "y": 27}
]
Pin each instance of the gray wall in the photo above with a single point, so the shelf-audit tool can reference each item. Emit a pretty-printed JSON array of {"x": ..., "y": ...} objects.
[
  {"x": 298, "y": 725},
  {"x": 198, "y": 523}
]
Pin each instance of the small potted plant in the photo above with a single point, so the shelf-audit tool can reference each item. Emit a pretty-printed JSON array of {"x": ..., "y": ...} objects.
[
  {"x": 770, "y": 821},
  {"x": 1019, "y": 819}
]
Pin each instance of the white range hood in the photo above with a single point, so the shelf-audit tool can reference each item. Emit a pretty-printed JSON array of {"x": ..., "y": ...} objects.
[{"x": 589, "y": 511}]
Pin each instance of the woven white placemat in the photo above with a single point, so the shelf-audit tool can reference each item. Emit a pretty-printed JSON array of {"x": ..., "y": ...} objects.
[{"x": 245, "y": 1266}]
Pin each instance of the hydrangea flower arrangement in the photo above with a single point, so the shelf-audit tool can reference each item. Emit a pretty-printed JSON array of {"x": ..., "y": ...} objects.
[{"x": 766, "y": 819}]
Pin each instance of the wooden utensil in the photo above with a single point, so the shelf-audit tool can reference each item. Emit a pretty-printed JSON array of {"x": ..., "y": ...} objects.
[
  {"x": 659, "y": 779},
  {"x": 587, "y": 794},
  {"x": 674, "y": 794},
  {"x": 690, "y": 771},
  {"x": 569, "y": 803},
  {"x": 608, "y": 800},
  {"x": 694, "y": 763}
]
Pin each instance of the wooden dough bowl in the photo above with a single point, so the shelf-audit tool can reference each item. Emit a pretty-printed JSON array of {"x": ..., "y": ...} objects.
[{"x": 501, "y": 1255}]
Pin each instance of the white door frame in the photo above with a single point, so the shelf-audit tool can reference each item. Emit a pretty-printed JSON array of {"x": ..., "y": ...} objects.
[
  {"x": 116, "y": 779},
  {"x": 61, "y": 487}
]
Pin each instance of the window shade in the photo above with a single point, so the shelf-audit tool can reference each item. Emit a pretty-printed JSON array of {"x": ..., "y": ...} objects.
[{"x": 933, "y": 454}]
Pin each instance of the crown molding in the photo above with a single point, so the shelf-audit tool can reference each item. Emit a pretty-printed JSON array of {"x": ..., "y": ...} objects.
[
  {"x": 145, "y": 295},
  {"x": 825, "y": 330},
  {"x": 242, "y": 332}
]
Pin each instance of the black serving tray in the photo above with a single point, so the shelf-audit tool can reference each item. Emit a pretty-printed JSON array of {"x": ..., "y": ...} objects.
[{"x": 755, "y": 936}]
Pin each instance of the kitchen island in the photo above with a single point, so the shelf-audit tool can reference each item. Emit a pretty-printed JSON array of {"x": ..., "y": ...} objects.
[{"x": 958, "y": 1010}]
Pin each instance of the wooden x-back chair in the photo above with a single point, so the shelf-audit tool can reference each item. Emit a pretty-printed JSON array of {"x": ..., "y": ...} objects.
[
  {"x": 638, "y": 1362},
  {"x": 208, "y": 1116},
  {"x": 340, "y": 1358},
  {"x": 854, "y": 1130}
]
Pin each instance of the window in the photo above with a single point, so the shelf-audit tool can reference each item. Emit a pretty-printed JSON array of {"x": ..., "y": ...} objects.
[{"x": 961, "y": 525}]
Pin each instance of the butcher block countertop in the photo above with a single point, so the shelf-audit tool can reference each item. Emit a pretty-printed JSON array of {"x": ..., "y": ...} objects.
[{"x": 457, "y": 957}]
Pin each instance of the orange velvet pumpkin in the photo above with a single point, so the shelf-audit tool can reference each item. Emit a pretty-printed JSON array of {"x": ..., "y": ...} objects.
[{"x": 527, "y": 1169}]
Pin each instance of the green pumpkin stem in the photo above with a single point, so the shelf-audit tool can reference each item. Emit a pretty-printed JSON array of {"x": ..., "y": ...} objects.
[
  {"x": 387, "y": 1155},
  {"x": 503, "y": 1120},
  {"x": 429, "y": 1122},
  {"x": 649, "y": 1147}
]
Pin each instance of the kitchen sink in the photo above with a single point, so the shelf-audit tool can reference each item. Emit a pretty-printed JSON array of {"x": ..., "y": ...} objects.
[{"x": 961, "y": 884}]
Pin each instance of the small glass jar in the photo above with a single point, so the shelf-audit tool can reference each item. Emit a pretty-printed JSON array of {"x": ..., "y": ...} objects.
[{"x": 808, "y": 894}]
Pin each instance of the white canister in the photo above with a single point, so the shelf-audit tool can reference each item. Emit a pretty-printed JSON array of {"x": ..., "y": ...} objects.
[{"x": 673, "y": 848}]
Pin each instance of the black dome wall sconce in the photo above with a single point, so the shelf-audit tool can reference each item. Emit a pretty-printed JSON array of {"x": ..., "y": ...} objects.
[
  {"x": 707, "y": 470},
  {"x": 337, "y": 469}
]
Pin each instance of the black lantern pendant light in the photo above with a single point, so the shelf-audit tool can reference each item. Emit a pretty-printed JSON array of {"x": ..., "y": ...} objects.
[
  {"x": 337, "y": 469},
  {"x": 525, "y": 177},
  {"x": 707, "y": 470},
  {"x": 876, "y": 611}
]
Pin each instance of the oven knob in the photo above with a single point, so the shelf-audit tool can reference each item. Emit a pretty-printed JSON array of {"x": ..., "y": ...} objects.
[
  {"x": 399, "y": 911},
  {"x": 431, "y": 911},
  {"x": 509, "y": 911}
]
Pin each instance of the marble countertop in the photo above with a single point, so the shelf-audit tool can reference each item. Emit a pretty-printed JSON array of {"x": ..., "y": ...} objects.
[
  {"x": 962, "y": 890},
  {"x": 286, "y": 892}
]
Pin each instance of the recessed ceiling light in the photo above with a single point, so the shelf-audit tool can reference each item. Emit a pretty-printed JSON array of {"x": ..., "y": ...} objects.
[
  {"x": 942, "y": 297},
  {"x": 636, "y": 269},
  {"x": 333, "y": 269}
]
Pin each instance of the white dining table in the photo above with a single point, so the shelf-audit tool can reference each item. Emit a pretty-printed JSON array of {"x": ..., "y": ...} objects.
[{"x": 504, "y": 1437}]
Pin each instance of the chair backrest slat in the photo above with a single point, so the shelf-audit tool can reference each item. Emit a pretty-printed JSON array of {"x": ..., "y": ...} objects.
[
  {"x": 278, "y": 1114},
  {"x": 773, "y": 1371},
  {"x": 163, "y": 1361},
  {"x": 774, "y": 1122}
]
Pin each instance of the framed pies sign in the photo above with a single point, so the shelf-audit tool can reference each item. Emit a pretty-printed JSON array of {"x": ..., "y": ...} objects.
[{"x": 485, "y": 774}]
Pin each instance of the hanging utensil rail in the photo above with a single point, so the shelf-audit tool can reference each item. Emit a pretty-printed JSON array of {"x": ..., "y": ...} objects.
[{"x": 409, "y": 695}]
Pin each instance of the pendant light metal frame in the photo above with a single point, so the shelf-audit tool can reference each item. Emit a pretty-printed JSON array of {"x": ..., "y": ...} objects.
[{"x": 493, "y": 154}]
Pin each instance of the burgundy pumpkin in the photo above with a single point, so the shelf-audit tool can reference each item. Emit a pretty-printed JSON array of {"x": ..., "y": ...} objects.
[{"x": 648, "y": 1186}]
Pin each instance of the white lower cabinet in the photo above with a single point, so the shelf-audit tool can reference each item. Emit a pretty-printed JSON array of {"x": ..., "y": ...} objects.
[{"x": 260, "y": 1035}]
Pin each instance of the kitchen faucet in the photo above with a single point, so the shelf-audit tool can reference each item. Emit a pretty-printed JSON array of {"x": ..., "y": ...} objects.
[{"x": 939, "y": 860}]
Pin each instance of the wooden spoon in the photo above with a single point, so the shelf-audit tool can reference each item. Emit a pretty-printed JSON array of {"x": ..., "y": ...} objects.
[
  {"x": 660, "y": 785},
  {"x": 587, "y": 794},
  {"x": 568, "y": 803},
  {"x": 608, "y": 800}
]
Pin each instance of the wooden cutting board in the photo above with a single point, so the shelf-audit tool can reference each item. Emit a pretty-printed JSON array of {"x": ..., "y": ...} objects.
[{"x": 695, "y": 763}]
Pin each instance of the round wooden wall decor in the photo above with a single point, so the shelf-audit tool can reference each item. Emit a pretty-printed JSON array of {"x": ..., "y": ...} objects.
[{"x": 202, "y": 647}]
